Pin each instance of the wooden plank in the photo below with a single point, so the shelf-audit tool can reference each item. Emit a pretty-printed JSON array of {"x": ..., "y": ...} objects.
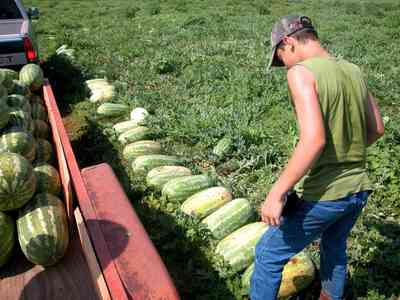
[
  {"x": 110, "y": 272},
  {"x": 140, "y": 267},
  {"x": 68, "y": 280},
  {"x": 91, "y": 259}
]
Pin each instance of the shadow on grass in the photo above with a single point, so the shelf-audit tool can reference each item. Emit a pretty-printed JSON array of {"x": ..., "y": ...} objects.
[
  {"x": 191, "y": 272},
  {"x": 67, "y": 81}
]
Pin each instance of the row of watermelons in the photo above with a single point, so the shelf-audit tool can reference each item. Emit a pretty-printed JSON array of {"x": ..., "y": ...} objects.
[
  {"x": 226, "y": 218},
  {"x": 30, "y": 210}
]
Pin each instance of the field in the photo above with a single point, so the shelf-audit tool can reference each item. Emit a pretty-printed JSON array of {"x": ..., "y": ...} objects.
[{"x": 199, "y": 68}]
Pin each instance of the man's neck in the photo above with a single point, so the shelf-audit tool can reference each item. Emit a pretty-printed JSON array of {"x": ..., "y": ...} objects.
[{"x": 312, "y": 49}]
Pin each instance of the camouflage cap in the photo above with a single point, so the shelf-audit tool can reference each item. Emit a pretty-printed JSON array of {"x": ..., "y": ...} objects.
[{"x": 286, "y": 26}]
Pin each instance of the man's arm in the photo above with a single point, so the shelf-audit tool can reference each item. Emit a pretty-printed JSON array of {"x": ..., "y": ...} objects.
[
  {"x": 311, "y": 143},
  {"x": 375, "y": 127}
]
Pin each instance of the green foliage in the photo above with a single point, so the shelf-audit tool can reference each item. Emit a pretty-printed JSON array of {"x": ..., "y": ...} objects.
[{"x": 199, "y": 68}]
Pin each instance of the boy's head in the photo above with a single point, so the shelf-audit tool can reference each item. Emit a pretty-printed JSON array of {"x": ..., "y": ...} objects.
[{"x": 288, "y": 33}]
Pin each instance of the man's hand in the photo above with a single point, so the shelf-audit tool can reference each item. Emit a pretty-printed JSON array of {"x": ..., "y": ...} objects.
[{"x": 271, "y": 209}]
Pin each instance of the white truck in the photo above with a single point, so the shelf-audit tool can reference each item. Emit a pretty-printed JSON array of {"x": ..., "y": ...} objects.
[{"x": 17, "y": 41}]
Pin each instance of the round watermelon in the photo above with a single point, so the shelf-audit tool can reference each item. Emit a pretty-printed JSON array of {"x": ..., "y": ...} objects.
[
  {"x": 18, "y": 141},
  {"x": 20, "y": 88},
  {"x": 44, "y": 151},
  {"x": 31, "y": 75},
  {"x": 7, "y": 237},
  {"x": 18, "y": 118},
  {"x": 17, "y": 101},
  {"x": 41, "y": 129},
  {"x": 39, "y": 112},
  {"x": 6, "y": 78},
  {"x": 4, "y": 111},
  {"x": 36, "y": 99},
  {"x": 48, "y": 179},
  {"x": 17, "y": 183}
]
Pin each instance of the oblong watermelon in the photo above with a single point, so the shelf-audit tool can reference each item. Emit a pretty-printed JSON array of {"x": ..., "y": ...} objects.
[
  {"x": 135, "y": 134},
  {"x": 238, "y": 248},
  {"x": 7, "y": 237},
  {"x": 229, "y": 217},
  {"x": 136, "y": 149},
  {"x": 297, "y": 274},
  {"x": 43, "y": 230},
  {"x": 44, "y": 151},
  {"x": 159, "y": 176},
  {"x": 179, "y": 189},
  {"x": 205, "y": 202},
  {"x": 143, "y": 164},
  {"x": 17, "y": 183},
  {"x": 48, "y": 179}
]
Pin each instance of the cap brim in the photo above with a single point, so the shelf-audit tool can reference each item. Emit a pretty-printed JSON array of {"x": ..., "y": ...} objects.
[{"x": 274, "y": 60}]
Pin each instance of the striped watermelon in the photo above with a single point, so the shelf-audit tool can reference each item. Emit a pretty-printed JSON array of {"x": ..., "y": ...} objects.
[
  {"x": 7, "y": 77},
  {"x": 204, "y": 203},
  {"x": 17, "y": 183},
  {"x": 17, "y": 101},
  {"x": 48, "y": 179},
  {"x": 145, "y": 163},
  {"x": 159, "y": 176},
  {"x": 135, "y": 134},
  {"x": 20, "y": 89},
  {"x": 124, "y": 126},
  {"x": 297, "y": 274},
  {"x": 43, "y": 230},
  {"x": 18, "y": 118},
  {"x": 237, "y": 249},
  {"x": 44, "y": 151},
  {"x": 223, "y": 147},
  {"x": 4, "y": 111},
  {"x": 133, "y": 150},
  {"x": 41, "y": 129},
  {"x": 229, "y": 217},
  {"x": 179, "y": 189},
  {"x": 31, "y": 75},
  {"x": 36, "y": 99},
  {"x": 7, "y": 238},
  {"x": 39, "y": 112},
  {"x": 18, "y": 141},
  {"x": 112, "y": 109}
]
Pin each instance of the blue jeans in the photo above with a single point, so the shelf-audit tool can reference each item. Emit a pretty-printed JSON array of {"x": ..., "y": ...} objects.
[{"x": 330, "y": 220}]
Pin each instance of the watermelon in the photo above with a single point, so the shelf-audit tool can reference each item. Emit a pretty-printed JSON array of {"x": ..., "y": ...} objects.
[
  {"x": 17, "y": 101},
  {"x": 18, "y": 141},
  {"x": 48, "y": 179},
  {"x": 31, "y": 75},
  {"x": 17, "y": 183},
  {"x": 7, "y": 77},
  {"x": 43, "y": 230},
  {"x": 20, "y": 89},
  {"x": 229, "y": 217},
  {"x": 135, "y": 134},
  {"x": 41, "y": 129},
  {"x": 124, "y": 126},
  {"x": 39, "y": 112},
  {"x": 204, "y": 203},
  {"x": 36, "y": 99},
  {"x": 133, "y": 150},
  {"x": 297, "y": 274},
  {"x": 105, "y": 93},
  {"x": 44, "y": 151},
  {"x": 238, "y": 248},
  {"x": 139, "y": 115},
  {"x": 4, "y": 111},
  {"x": 96, "y": 83},
  {"x": 145, "y": 163},
  {"x": 179, "y": 189},
  {"x": 112, "y": 109},
  {"x": 7, "y": 238},
  {"x": 159, "y": 176},
  {"x": 223, "y": 147},
  {"x": 18, "y": 118}
]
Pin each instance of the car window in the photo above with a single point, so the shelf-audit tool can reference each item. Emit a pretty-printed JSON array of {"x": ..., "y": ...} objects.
[{"x": 9, "y": 10}]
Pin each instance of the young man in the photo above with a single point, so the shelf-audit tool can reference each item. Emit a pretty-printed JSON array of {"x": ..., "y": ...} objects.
[{"x": 338, "y": 119}]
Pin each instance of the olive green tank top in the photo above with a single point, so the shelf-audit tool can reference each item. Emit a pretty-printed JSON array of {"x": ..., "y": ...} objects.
[{"x": 343, "y": 97}]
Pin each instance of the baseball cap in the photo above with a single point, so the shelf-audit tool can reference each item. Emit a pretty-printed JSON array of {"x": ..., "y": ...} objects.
[{"x": 286, "y": 26}]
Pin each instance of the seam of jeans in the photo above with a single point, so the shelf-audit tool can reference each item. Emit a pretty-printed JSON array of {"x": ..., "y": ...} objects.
[{"x": 262, "y": 251}]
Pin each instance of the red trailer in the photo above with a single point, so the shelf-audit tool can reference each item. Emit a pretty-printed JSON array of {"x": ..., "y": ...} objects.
[{"x": 110, "y": 254}]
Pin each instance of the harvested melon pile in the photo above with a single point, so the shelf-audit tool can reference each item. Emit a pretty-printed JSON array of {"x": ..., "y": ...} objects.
[
  {"x": 31, "y": 212},
  {"x": 229, "y": 221}
]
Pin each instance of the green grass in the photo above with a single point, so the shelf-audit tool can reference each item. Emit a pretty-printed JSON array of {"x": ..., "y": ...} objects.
[{"x": 199, "y": 68}]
